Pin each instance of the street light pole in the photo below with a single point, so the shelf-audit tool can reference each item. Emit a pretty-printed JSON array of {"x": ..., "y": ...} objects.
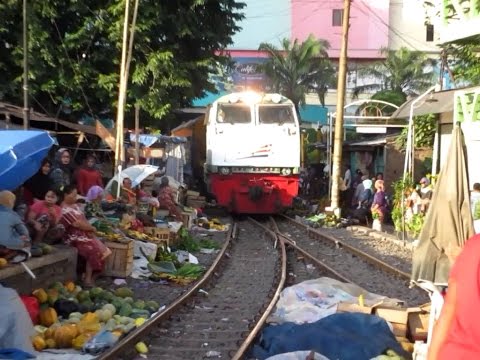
[{"x": 26, "y": 110}]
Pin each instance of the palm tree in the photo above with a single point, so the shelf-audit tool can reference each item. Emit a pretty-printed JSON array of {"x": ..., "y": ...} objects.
[
  {"x": 402, "y": 71},
  {"x": 299, "y": 68}
]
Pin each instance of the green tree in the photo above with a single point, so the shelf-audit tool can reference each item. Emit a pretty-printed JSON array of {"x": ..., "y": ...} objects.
[
  {"x": 298, "y": 68},
  {"x": 425, "y": 127},
  {"x": 75, "y": 52},
  {"x": 402, "y": 71}
]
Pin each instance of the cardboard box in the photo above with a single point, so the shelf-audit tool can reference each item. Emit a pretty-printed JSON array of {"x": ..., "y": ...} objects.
[
  {"x": 418, "y": 321},
  {"x": 398, "y": 317},
  {"x": 349, "y": 307}
]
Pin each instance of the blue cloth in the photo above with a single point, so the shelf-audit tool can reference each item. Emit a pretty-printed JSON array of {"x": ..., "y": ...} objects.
[
  {"x": 12, "y": 228},
  {"x": 21, "y": 153},
  {"x": 345, "y": 336},
  {"x": 15, "y": 354}
]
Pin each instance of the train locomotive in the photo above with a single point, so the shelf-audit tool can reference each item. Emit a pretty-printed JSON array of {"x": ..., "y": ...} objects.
[{"x": 252, "y": 152}]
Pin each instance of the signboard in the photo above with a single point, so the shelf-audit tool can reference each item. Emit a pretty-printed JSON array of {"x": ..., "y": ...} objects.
[{"x": 460, "y": 20}]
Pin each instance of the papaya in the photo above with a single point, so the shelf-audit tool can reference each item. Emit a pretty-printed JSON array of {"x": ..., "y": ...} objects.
[
  {"x": 41, "y": 295},
  {"x": 3, "y": 263},
  {"x": 57, "y": 285},
  {"x": 90, "y": 317},
  {"x": 70, "y": 286},
  {"x": 46, "y": 249},
  {"x": 152, "y": 306},
  {"x": 81, "y": 340},
  {"x": 53, "y": 296},
  {"x": 48, "y": 317},
  {"x": 83, "y": 295},
  {"x": 38, "y": 343},
  {"x": 51, "y": 344},
  {"x": 124, "y": 292},
  {"x": 139, "y": 304},
  {"x": 95, "y": 292},
  {"x": 125, "y": 310}
]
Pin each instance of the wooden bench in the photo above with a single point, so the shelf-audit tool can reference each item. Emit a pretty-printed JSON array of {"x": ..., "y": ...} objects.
[{"x": 60, "y": 265}]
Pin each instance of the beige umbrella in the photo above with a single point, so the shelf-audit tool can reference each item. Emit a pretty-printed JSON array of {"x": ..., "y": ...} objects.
[{"x": 448, "y": 223}]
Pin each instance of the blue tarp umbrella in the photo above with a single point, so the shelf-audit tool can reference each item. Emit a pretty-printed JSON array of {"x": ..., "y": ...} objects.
[{"x": 21, "y": 154}]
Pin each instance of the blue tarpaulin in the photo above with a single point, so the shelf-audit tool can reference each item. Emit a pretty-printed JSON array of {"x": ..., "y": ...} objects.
[
  {"x": 21, "y": 154},
  {"x": 346, "y": 336}
]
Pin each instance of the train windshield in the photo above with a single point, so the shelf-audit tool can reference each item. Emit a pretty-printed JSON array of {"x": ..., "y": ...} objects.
[
  {"x": 234, "y": 114},
  {"x": 276, "y": 114}
]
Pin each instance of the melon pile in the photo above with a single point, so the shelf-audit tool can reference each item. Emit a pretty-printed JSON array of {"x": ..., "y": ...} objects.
[{"x": 70, "y": 316}]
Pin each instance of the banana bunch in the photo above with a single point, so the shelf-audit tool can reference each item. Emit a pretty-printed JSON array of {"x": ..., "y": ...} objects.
[
  {"x": 109, "y": 236},
  {"x": 180, "y": 280},
  {"x": 138, "y": 235}
]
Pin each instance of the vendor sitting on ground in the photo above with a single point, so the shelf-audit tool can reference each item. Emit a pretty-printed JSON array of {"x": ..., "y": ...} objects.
[
  {"x": 14, "y": 232},
  {"x": 167, "y": 199},
  {"x": 43, "y": 219},
  {"x": 80, "y": 234},
  {"x": 127, "y": 193}
]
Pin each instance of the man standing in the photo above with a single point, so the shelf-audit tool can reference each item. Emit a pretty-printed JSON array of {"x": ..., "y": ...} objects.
[{"x": 88, "y": 176}]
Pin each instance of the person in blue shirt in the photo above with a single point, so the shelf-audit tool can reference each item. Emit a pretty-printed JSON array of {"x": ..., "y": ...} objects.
[{"x": 15, "y": 234}]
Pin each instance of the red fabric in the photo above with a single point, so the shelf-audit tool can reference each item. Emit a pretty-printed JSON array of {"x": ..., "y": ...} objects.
[
  {"x": 463, "y": 339},
  {"x": 167, "y": 202},
  {"x": 88, "y": 246},
  {"x": 32, "y": 306},
  {"x": 86, "y": 178},
  {"x": 41, "y": 208}
]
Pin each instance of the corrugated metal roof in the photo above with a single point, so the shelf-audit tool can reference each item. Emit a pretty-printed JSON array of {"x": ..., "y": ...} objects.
[{"x": 435, "y": 103}]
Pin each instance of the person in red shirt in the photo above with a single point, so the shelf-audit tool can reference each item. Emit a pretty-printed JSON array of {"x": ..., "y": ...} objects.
[
  {"x": 457, "y": 332},
  {"x": 43, "y": 219},
  {"x": 88, "y": 176}
]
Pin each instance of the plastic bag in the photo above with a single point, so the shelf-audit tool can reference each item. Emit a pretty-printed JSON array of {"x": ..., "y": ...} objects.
[
  {"x": 32, "y": 306},
  {"x": 100, "y": 342}
]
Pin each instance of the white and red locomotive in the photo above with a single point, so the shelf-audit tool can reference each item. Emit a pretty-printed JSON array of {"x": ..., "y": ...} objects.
[{"x": 252, "y": 152}]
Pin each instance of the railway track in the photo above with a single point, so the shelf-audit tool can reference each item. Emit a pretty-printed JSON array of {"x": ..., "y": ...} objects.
[
  {"x": 221, "y": 316},
  {"x": 348, "y": 263}
]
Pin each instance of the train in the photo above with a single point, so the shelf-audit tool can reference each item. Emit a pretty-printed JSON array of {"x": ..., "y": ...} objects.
[{"x": 252, "y": 152}]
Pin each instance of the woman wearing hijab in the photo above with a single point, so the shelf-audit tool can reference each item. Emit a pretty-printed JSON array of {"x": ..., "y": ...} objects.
[
  {"x": 379, "y": 205},
  {"x": 63, "y": 170},
  {"x": 14, "y": 232},
  {"x": 37, "y": 186},
  {"x": 93, "y": 208}
]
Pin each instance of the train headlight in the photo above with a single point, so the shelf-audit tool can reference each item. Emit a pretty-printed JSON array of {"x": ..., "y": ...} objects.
[
  {"x": 286, "y": 171},
  {"x": 276, "y": 98},
  {"x": 225, "y": 171}
]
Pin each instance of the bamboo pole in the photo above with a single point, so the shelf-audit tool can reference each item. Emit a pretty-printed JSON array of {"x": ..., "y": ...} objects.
[
  {"x": 342, "y": 79},
  {"x": 137, "y": 133}
]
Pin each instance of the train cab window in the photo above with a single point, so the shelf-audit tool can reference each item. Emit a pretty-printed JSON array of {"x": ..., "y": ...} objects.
[
  {"x": 275, "y": 115},
  {"x": 233, "y": 114}
]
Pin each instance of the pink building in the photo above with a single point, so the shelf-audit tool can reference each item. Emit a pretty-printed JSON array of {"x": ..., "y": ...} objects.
[{"x": 273, "y": 20}]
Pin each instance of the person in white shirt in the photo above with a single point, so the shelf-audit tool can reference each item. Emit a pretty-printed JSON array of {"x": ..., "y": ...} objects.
[
  {"x": 348, "y": 177},
  {"x": 475, "y": 205}
]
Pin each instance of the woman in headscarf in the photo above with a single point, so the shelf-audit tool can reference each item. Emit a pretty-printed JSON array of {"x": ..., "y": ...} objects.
[
  {"x": 14, "y": 232},
  {"x": 379, "y": 205},
  {"x": 93, "y": 207},
  {"x": 426, "y": 193},
  {"x": 167, "y": 199},
  {"x": 80, "y": 234},
  {"x": 37, "y": 186},
  {"x": 62, "y": 172},
  {"x": 44, "y": 219}
]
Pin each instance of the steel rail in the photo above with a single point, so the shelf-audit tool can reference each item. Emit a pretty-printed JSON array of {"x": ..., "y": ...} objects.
[
  {"x": 263, "y": 318},
  {"x": 132, "y": 338},
  {"x": 367, "y": 257}
]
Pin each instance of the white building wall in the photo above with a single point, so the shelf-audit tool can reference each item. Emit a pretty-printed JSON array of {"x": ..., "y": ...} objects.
[{"x": 407, "y": 27}]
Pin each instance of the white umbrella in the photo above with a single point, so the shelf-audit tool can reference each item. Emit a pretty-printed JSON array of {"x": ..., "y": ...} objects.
[{"x": 136, "y": 173}]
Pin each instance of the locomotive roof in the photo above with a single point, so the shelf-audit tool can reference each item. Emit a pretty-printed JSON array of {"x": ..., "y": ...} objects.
[{"x": 254, "y": 98}]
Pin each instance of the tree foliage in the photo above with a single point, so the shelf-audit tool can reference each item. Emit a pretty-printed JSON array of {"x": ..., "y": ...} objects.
[
  {"x": 425, "y": 127},
  {"x": 75, "y": 52},
  {"x": 298, "y": 68},
  {"x": 402, "y": 71}
]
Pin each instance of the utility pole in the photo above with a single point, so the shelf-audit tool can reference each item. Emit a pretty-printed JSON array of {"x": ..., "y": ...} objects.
[
  {"x": 124, "y": 70},
  {"x": 342, "y": 79},
  {"x": 26, "y": 110}
]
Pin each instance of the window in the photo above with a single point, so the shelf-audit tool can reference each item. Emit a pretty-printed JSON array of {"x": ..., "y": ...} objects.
[
  {"x": 233, "y": 114},
  {"x": 430, "y": 33},
  {"x": 337, "y": 17},
  {"x": 275, "y": 114}
]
